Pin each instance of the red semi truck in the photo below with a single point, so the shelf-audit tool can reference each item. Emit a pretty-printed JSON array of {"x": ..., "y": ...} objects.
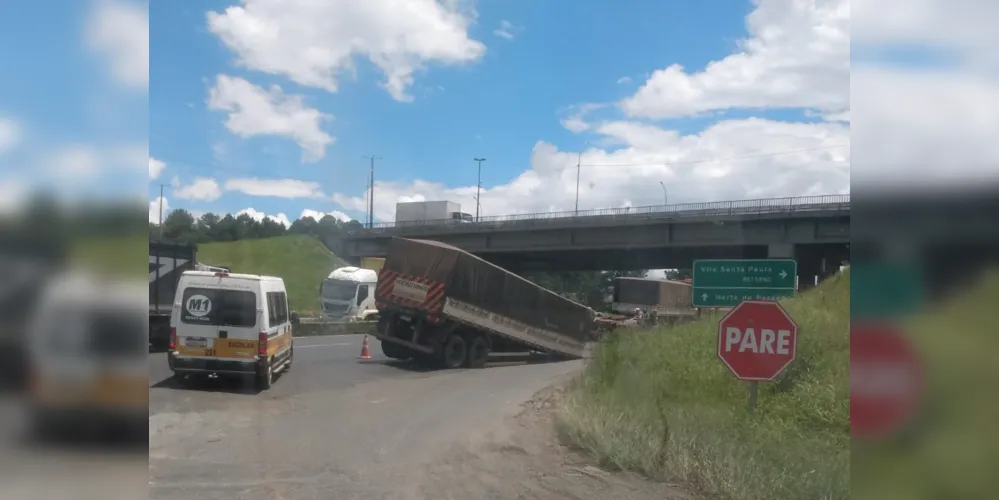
[{"x": 441, "y": 303}]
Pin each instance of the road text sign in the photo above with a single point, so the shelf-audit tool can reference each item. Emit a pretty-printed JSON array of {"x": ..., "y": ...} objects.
[
  {"x": 886, "y": 380},
  {"x": 757, "y": 340},
  {"x": 727, "y": 282}
]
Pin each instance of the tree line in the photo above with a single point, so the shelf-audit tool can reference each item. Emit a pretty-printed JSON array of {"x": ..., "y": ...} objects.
[{"x": 180, "y": 226}]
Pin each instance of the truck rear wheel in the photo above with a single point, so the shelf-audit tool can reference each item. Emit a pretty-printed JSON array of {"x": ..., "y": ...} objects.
[
  {"x": 478, "y": 351},
  {"x": 454, "y": 352}
]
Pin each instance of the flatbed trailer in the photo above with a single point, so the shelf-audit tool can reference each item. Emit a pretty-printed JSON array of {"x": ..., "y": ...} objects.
[{"x": 441, "y": 303}]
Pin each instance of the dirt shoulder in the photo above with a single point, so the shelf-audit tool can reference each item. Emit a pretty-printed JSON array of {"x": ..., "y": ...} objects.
[{"x": 525, "y": 460}]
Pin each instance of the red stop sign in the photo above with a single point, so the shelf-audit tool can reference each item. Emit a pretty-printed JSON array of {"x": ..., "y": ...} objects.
[
  {"x": 757, "y": 340},
  {"x": 886, "y": 379}
]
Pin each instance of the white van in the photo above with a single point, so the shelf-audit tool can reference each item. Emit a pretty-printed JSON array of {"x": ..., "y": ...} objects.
[
  {"x": 231, "y": 324},
  {"x": 87, "y": 348}
]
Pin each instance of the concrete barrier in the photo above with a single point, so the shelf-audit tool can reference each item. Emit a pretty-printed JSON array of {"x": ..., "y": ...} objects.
[{"x": 317, "y": 328}]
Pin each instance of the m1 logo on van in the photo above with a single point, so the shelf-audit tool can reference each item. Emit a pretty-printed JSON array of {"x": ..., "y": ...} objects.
[
  {"x": 410, "y": 290},
  {"x": 197, "y": 308}
]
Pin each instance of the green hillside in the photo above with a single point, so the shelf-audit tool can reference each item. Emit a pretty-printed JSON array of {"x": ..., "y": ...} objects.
[
  {"x": 303, "y": 261},
  {"x": 662, "y": 403}
]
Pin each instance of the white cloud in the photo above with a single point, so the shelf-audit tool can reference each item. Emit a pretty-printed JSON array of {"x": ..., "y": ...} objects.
[
  {"x": 730, "y": 160},
  {"x": 154, "y": 209},
  {"x": 797, "y": 56},
  {"x": 314, "y": 43},
  {"x": 14, "y": 195},
  {"x": 576, "y": 119},
  {"x": 10, "y": 135},
  {"x": 254, "y": 111},
  {"x": 258, "y": 216},
  {"x": 318, "y": 216},
  {"x": 965, "y": 28},
  {"x": 925, "y": 126},
  {"x": 156, "y": 168},
  {"x": 623, "y": 80},
  {"x": 119, "y": 31},
  {"x": 200, "y": 189},
  {"x": 280, "y": 188},
  {"x": 506, "y": 30},
  {"x": 76, "y": 161}
]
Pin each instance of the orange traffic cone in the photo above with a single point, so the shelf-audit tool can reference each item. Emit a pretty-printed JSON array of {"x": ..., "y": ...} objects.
[{"x": 365, "y": 354}]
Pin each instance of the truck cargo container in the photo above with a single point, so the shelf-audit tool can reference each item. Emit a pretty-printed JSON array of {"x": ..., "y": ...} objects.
[
  {"x": 666, "y": 297},
  {"x": 166, "y": 263},
  {"x": 441, "y": 303},
  {"x": 422, "y": 211}
]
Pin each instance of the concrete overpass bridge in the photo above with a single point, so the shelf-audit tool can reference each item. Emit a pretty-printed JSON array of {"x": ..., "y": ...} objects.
[{"x": 815, "y": 230}]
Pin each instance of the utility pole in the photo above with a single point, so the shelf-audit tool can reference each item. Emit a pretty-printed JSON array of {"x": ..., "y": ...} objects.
[
  {"x": 161, "y": 211},
  {"x": 665, "y": 196},
  {"x": 371, "y": 194},
  {"x": 478, "y": 188},
  {"x": 579, "y": 164}
]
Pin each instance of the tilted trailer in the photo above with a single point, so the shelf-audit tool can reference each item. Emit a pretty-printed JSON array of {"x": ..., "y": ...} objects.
[{"x": 439, "y": 302}]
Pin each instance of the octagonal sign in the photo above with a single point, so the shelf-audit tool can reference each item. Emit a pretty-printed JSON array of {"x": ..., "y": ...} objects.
[{"x": 757, "y": 340}]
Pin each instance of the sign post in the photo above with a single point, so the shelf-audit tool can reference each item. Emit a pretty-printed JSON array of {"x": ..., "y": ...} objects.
[
  {"x": 727, "y": 282},
  {"x": 757, "y": 340}
]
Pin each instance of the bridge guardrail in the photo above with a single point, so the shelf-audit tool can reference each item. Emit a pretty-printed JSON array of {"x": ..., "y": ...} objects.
[{"x": 797, "y": 204}]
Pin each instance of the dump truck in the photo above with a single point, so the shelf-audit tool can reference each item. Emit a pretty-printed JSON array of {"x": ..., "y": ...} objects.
[
  {"x": 666, "y": 297},
  {"x": 442, "y": 304}
]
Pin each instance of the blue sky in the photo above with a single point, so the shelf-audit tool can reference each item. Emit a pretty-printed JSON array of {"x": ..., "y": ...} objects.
[
  {"x": 499, "y": 105},
  {"x": 769, "y": 77},
  {"x": 270, "y": 106},
  {"x": 79, "y": 128}
]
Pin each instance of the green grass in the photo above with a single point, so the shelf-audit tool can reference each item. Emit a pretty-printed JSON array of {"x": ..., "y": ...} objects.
[
  {"x": 301, "y": 260},
  {"x": 662, "y": 403},
  {"x": 119, "y": 256},
  {"x": 951, "y": 448}
]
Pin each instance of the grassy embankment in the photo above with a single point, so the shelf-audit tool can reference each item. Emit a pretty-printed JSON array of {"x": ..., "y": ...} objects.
[
  {"x": 662, "y": 403},
  {"x": 303, "y": 261}
]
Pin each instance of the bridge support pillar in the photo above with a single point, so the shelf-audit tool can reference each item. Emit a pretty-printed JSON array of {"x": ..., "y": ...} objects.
[{"x": 780, "y": 251}]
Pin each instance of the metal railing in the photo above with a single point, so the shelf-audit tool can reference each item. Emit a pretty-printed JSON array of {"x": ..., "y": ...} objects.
[{"x": 798, "y": 204}]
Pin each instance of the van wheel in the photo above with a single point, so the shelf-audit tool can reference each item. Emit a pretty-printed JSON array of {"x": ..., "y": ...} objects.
[
  {"x": 478, "y": 352},
  {"x": 454, "y": 352},
  {"x": 266, "y": 378}
]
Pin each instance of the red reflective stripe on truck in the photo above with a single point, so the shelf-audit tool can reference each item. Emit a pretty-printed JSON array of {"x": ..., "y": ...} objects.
[
  {"x": 432, "y": 303},
  {"x": 435, "y": 298},
  {"x": 386, "y": 278}
]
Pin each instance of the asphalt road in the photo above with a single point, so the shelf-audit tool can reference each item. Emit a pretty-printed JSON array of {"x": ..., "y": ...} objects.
[{"x": 333, "y": 427}]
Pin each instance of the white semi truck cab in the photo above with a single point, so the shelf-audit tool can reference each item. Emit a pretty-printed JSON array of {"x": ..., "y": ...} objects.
[{"x": 348, "y": 294}]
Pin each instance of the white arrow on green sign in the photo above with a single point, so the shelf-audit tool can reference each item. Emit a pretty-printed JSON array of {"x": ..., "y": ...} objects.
[{"x": 727, "y": 282}]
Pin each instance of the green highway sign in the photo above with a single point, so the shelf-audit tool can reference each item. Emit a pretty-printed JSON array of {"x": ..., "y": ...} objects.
[{"x": 727, "y": 282}]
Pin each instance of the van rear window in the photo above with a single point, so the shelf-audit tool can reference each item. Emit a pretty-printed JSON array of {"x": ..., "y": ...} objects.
[{"x": 219, "y": 307}]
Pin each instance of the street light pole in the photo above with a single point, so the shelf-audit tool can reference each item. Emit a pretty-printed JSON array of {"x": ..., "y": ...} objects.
[
  {"x": 371, "y": 194},
  {"x": 161, "y": 212},
  {"x": 478, "y": 188},
  {"x": 665, "y": 196},
  {"x": 579, "y": 163}
]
